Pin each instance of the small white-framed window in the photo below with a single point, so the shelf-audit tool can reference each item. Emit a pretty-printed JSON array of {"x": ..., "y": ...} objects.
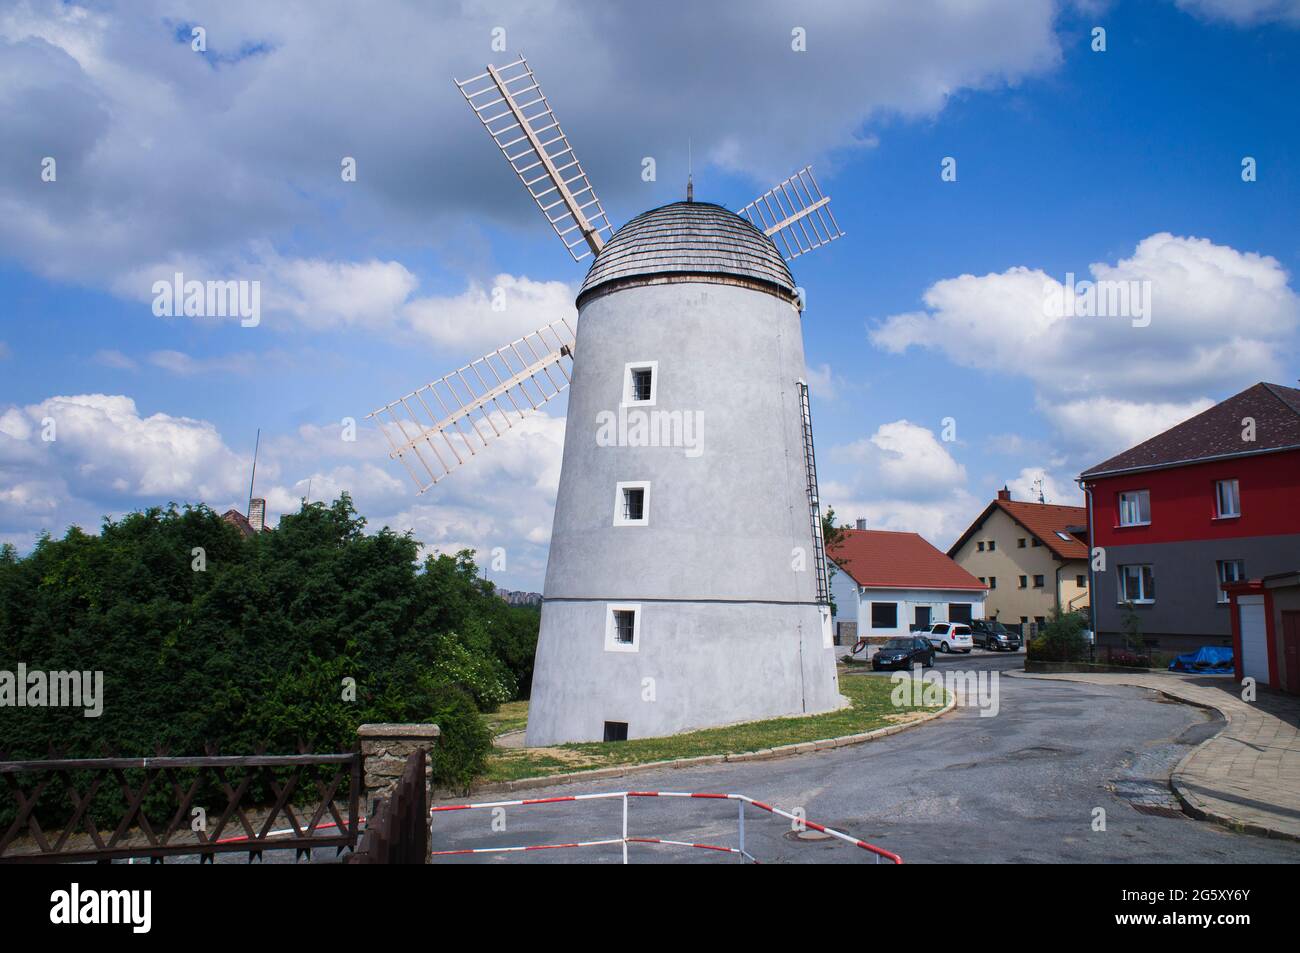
[
  {"x": 1227, "y": 497},
  {"x": 1230, "y": 570},
  {"x": 632, "y": 503},
  {"x": 1137, "y": 584},
  {"x": 1135, "y": 508},
  {"x": 623, "y": 627},
  {"x": 640, "y": 383}
]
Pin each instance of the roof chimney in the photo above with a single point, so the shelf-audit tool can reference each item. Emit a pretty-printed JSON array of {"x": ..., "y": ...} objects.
[
  {"x": 862, "y": 522},
  {"x": 257, "y": 514},
  {"x": 1004, "y": 494}
]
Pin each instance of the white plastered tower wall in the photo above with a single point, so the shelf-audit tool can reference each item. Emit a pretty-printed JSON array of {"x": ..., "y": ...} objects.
[{"x": 722, "y": 574}]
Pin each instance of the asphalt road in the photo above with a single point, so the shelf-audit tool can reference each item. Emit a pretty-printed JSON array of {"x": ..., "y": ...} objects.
[{"x": 1019, "y": 787}]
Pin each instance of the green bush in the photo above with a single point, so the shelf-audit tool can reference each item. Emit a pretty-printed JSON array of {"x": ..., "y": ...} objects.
[
  {"x": 293, "y": 636},
  {"x": 1061, "y": 639}
]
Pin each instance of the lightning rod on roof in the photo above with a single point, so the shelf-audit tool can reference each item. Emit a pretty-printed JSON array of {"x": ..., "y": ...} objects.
[
  {"x": 253, "y": 477},
  {"x": 690, "y": 176}
]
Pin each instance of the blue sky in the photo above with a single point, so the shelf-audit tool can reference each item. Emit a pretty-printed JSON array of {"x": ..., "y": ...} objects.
[{"x": 225, "y": 164}]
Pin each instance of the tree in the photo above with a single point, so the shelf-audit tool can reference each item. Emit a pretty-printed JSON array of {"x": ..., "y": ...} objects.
[
  {"x": 831, "y": 535},
  {"x": 302, "y": 633}
]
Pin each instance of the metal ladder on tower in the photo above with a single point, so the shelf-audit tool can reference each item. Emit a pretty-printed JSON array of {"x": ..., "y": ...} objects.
[{"x": 814, "y": 503}]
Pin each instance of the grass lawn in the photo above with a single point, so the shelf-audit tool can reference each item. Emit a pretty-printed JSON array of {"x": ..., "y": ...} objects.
[
  {"x": 512, "y": 716},
  {"x": 871, "y": 708}
]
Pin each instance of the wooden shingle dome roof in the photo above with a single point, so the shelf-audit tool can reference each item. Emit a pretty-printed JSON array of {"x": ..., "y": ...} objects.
[{"x": 689, "y": 241}]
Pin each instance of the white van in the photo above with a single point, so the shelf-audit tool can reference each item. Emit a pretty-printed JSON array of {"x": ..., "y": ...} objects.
[{"x": 951, "y": 637}]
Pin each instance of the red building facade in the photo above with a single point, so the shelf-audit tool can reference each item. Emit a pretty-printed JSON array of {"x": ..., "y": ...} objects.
[{"x": 1191, "y": 510}]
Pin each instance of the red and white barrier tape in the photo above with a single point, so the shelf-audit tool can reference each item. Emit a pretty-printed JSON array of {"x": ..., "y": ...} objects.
[{"x": 742, "y": 799}]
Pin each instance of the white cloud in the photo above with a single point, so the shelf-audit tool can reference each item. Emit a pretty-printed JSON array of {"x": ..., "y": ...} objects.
[
  {"x": 103, "y": 448},
  {"x": 823, "y": 382},
  {"x": 110, "y": 458},
  {"x": 185, "y": 365},
  {"x": 903, "y": 458},
  {"x": 322, "y": 294},
  {"x": 1221, "y": 319},
  {"x": 1055, "y": 488},
  {"x": 1102, "y": 426},
  {"x": 480, "y": 319},
  {"x": 115, "y": 359},
  {"x": 1244, "y": 12},
  {"x": 900, "y": 478},
  {"x": 166, "y": 152}
]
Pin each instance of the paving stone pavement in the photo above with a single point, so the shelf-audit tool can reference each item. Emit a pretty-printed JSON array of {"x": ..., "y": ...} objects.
[{"x": 1248, "y": 775}]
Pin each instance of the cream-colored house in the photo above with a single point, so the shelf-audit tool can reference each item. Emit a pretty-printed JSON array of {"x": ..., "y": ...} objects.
[{"x": 1032, "y": 556}]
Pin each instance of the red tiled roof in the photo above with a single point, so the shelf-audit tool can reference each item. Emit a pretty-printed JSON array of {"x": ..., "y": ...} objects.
[
  {"x": 881, "y": 559},
  {"x": 1217, "y": 432},
  {"x": 240, "y": 522},
  {"x": 1045, "y": 520},
  {"x": 1041, "y": 520}
]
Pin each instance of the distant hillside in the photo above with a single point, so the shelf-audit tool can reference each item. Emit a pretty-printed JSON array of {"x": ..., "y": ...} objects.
[{"x": 517, "y": 598}]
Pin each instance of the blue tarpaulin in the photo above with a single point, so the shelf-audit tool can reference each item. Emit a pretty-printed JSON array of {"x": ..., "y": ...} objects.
[{"x": 1207, "y": 660}]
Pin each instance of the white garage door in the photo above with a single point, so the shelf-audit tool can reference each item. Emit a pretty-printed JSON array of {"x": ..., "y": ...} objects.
[{"x": 1254, "y": 639}]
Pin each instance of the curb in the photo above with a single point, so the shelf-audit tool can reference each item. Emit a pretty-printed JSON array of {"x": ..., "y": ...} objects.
[
  {"x": 1185, "y": 797},
  {"x": 763, "y": 754}
]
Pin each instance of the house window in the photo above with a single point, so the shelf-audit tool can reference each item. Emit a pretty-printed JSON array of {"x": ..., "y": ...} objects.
[
  {"x": 980, "y": 545},
  {"x": 1137, "y": 584},
  {"x": 640, "y": 382},
  {"x": 632, "y": 503},
  {"x": 1230, "y": 570},
  {"x": 1065, "y": 536},
  {"x": 959, "y": 612},
  {"x": 1020, "y": 543},
  {"x": 1081, "y": 582},
  {"x": 616, "y": 731},
  {"x": 1135, "y": 508},
  {"x": 993, "y": 544},
  {"x": 1037, "y": 541},
  {"x": 993, "y": 582},
  {"x": 1040, "y": 620},
  {"x": 983, "y": 580},
  {"x": 623, "y": 627},
  {"x": 1024, "y": 619},
  {"x": 1038, "y": 582},
  {"x": 884, "y": 615},
  {"x": 1228, "y": 499},
  {"x": 1024, "y": 582}
]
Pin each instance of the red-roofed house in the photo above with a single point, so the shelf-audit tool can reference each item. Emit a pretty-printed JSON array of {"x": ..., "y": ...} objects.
[
  {"x": 1034, "y": 557},
  {"x": 889, "y": 582},
  {"x": 1212, "y": 501}
]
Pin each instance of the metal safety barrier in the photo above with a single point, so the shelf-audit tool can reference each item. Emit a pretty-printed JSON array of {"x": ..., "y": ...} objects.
[{"x": 625, "y": 839}]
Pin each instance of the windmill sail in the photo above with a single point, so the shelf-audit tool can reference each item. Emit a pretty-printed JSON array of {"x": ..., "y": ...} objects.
[
  {"x": 437, "y": 427},
  {"x": 795, "y": 215},
  {"x": 512, "y": 107}
]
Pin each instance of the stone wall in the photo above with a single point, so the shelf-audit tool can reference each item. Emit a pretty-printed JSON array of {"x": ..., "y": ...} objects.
[{"x": 384, "y": 750}]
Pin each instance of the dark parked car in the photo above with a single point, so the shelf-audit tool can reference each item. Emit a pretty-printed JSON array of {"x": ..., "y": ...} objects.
[
  {"x": 903, "y": 653},
  {"x": 993, "y": 635}
]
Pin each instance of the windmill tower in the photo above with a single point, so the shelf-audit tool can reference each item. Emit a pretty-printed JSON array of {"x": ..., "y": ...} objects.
[{"x": 686, "y": 584}]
